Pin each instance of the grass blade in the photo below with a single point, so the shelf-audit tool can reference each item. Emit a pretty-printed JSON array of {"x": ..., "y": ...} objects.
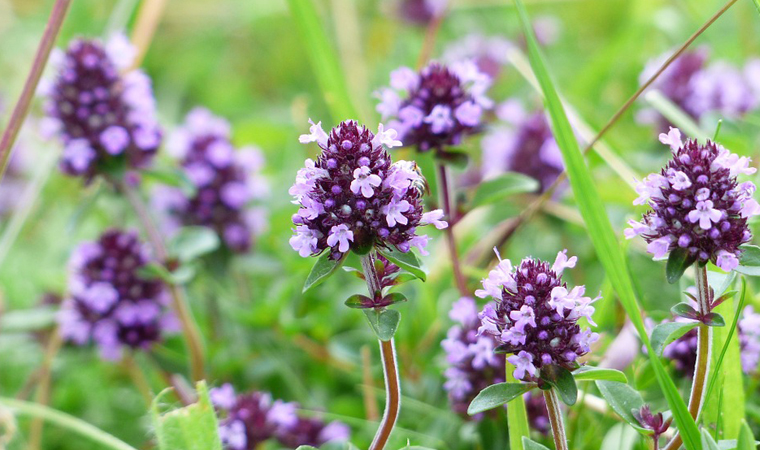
[
  {"x": 517, "y": 418},
  {"x": 323, "y": 59},
  {"x": 600, "y": 229}
]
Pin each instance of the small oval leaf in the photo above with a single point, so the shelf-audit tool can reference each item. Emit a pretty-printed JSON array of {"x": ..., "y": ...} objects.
[
  {"x": 623, "y": 399},
  {"x": 678, "y": 261},
  {"x": 322, "y": 269},
  {"x": 665, "y": 333},
  {"x": 359, "y": 301},
  {"x": 193, "y": 242},
  {"x": 496, "y": 395},
  {"x": 384, "y": 322},
  {"x": 684, "y": 310},
  {"x": 588, "y": 373},
  {"x": 407, "y": 261}
]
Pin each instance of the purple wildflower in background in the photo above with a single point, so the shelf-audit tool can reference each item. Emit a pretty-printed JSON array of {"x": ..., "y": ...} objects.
[
  {"x": 354, "y": 197},
  {"x": 524, "y": 144},
  {"x": 535, "y": 316},
  {"x": 699, "y": 89},
  {"x": 538, "y": 416},
  {"x": 749, "y": 338},
  {"x": 435, "y": 108},
  {"x": 247, "y": 420},
  {"x": 472, "y": 363},
  {"x": 105, "y": 117},
  {"x": 108, "y": 302},
  {"x": 420, "y": 12},
  {"x": 697, "y": 203},
  {"x": 226, "y": 180},
  {"x": 489, "y": 53}
]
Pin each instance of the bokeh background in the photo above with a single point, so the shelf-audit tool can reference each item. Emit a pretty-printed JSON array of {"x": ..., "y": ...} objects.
[{"x": 246, "y": 61}]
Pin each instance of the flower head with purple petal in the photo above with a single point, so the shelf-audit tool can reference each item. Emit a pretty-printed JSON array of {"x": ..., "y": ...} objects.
[
  {"x": 697, "y": 203},
  {"x": 435, "y": 108},
  {"x": 108, "y": 302},
  {"x": 247, "y": 420},
  {"x": 104, "y": 112},
  {"x": 226, "y": 181},
  {"x": 524, "y": 144},
  {"x": 354, "y": 197},
  {"x": 535, "y": 317}
]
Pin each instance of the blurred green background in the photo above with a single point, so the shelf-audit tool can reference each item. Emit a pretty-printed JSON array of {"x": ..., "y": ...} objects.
[{"x": 246, "y": 61}]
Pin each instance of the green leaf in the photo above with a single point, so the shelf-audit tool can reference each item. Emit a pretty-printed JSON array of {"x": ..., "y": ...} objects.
[
  {"x": 27, "y": 320},
  {"x": 746, "y": 440},
  {"x": 497, "y": 189},
  {"x": 749, "y": 262},
  {"x": 172, "y": 177},
  {"x": 714, "y": 320},
  {"x": 588, "y": 373},
  {"x": 154, "y": 271},
  {"x": 708, "y": 443},
  {"x": 620, "y": 437},
  {"x": 532, "y": 445},
  {"x": 678, "y": 261},
  {"x": 393, "y": 298},
  {"x": 517, "y": 417},
  {"x": 665, "y": 333},
  {"x": 600, "y": 229},
  {"x": 623, "y": 399},
  {"x": 359, "y": 301},
  {"x": 562, "y": 380},
  {"x": 684, "y": 310},
  {"x": 322, "y": 270},
  {"x": 496, "y": 395},
  {"x": 384, "y": 322},
  {"x": 324, "y": 61},
  {"x": 407, "y": 261},
  {"x": 193, "y": 242},
  {"x": 193, "y": 427}
]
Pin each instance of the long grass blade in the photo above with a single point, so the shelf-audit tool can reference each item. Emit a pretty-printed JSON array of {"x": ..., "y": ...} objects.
[
  {"x": 323, "y": 59},
  {"x": 600, "y": 229}
]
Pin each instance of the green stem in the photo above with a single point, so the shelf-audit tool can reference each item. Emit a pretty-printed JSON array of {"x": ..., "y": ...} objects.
[
  {"x": 390, "y": 365},
  {"x": 190, "y": 330},
  {"x": 21, "y": 109},
  {"x": 66, "y": 421},
  {"x": 449, "y": 210},
  {"x": 555, "y": 419},
  {"x": 704, "y": 350}
]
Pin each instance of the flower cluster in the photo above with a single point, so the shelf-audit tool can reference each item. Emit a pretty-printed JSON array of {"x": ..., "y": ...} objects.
[
  {"x": 108, "y": 302},
  {"x": 473, "y": 365},
  {"x": 353, "y": 197},
  {"x": 105, "y": 118},
  {"x": 525, "y": 144},
  {"x": 697, "y": 203},
  {"x": 489, "y": 53},
  {"x": 699, "y": 89},
  {"x": 439, "y": 106},
  {"x": 535, "y": 316},
  {"x": 247, "y": 420},
  {"x": 225, "y": 182},
  {"x": 421, "y": 12}
]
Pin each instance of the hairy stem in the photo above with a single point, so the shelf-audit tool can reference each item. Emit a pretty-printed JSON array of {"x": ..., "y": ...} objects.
[
  {"x": 527, "y": 213},
  {"x": 32, "y": 80},
  {"x": 555, "y": 419},
  {"x": 179, "y": 300},
  {"x": 448, "y": 210},
  {"x": 704, "y": 344},
  {"x": 393, "y": 395},
  {"x": 390, "y": 366}
]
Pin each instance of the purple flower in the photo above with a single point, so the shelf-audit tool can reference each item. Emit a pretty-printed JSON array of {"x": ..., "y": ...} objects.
[
  {"x": 226, "y": 181},
  {"x": 697, "y": 203},
  {"x": 488, "y": 52},
  {"x": 421, "y": 12},
  {"x": 524, "y": 144},
  {"x": 440, "y": 105},
  {"x": 535, "y": 317},
  {"x": 355, "y": 197},
  {"x": 473, "y": 365},
  {"x": 749, "y": 338},
  {"x": 247, "y": 420},
  {"x": 699, "y": 89},
  {"x": 109, "y": 303},
  {"x": 104, "y": 118}
]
